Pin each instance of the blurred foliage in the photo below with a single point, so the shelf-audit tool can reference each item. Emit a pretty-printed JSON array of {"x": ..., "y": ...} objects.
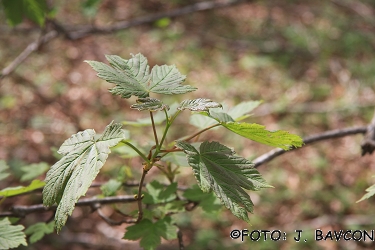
[{"x": 312, "y": 62}]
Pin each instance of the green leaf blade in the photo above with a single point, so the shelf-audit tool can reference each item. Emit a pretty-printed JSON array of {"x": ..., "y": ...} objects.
[
  {"x": 13, "y": 191},
  {"x": 3, "y": 168},
  {"x": 126, "y": 84},
  {"x": 38, "y": 230},
  {"x": 150, "y": 233},
  {"x": 216, "y": 168},
  {"x": 167, "y": 80},
  {"x": 70, "y": 177},
  {"x": 258, "y": 133},
  {"x": 370, "y": 192},
  {"x": 11, "y": 236}
]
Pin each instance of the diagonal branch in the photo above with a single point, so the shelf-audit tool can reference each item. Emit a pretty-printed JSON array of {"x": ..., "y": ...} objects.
[
  {"x": 84, "y": 31},
  {"x": 24, "y": 54},
  {"x": 337, "y": 133}
]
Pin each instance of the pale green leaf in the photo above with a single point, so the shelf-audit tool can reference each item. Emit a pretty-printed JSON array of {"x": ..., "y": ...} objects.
[
  {"x": 150, "y": 233},
  {"x": 258, "y": 133},
  {"x": 132, "y": 77},
  {"x": 70, "y": 177},
  {"x": 11, "y": 236},
  {"x": 38, "y": 230},
  {"x": 167, "y": 80},
  {"x": 150, "y": 104},
  {"x": 3, "y": 168},
  {"x": 200, "y": 104},
  {"x": 33, "y": 170},
  {"x": 125, "y": 77},
  {"x": 370, "y": 192},
  {"x": 178, "y": 158},
  {"x": 13, "y": 191},
  {"x": 201, "y": 121},
  {"x": 242, "y": 110},
  {"x": 216, "y": 168}
]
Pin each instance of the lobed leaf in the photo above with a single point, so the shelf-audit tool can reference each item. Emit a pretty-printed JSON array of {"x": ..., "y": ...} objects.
[
  {"x": 370, "y": 192},
  {"x": 216, "y": 168},
  {"x": 159, "y": 193},
  {"x": 38, "y": 230},
  {"x": 126, "y": 84},
  {"x": 70, "y": 177},
  {"x": 150, "y": 104},
  {"x": 150, "y": 233},
  {"x": 11, "y": 236},
  {"x": 258, "y": 133},
  {"x": 167, "y": 80},
  {"x": 132, "y": 77},
  {"x": 200, "y": 104}
]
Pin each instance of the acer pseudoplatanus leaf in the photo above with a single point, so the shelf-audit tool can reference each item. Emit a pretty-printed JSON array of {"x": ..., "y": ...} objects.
[{"x": 83, "y": 156}]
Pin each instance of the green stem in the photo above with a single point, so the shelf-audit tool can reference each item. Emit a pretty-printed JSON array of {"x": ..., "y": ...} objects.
[
  {"x": 137, "y": 150},
  {"x": 154, "y": 129},
  {"x": 139, "y": 195}
]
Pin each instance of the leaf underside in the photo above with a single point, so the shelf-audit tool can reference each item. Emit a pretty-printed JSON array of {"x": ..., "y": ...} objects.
[
  {"x": 11, "y": 236},
  {"x": 83, "y": 156},
  {"x": 200, "y": 104},
  {"x": 151, "y": 104},
  {"x": 133, "y": 77},
  {"x": 216, "y": 168}
]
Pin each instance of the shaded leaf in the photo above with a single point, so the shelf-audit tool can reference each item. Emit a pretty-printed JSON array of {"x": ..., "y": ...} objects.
[
  {"x": 38, "y": 230},
  {"x": 207, "y": 201},
  {"x": 90, "y": 7},
  {"x": 216, "y": 168},
  {"x": 110, "y": 188},
  {"x": 159, "y": 193},
  {"x": 150, "y": 104},
  {"x": 3, "y": 170},
  {"x": 13, "y": 191},
  {"x": 35, "y": 10},
  {"x": 70, "y": 177},
  {"x": 11, "y": 236},
  {"x": 33, "y": 170},
  {"x": 150, "y": 233},
  {"x": 178, "y": 158},
  {"x": 200, "y": 104},
  {"x": 258, "y": 133}
]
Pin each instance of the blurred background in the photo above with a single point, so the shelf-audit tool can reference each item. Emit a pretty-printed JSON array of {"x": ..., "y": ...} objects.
[{"x": 312, "y": 63}]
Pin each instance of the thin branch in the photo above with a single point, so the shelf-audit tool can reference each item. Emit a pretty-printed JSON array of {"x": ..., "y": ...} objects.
[
  {"x": 139, "y": 196},
  {"x": 29, "y": 49},
  {"x": 112, "y": 222},
  {"x": 201, "y": 131},
  {"x": 21, "y": 211},
  {"x": 84, "y": 31},
  {"x": 180, "y": 240},
  {"x": 154, "y": 129},
  {"x": 308, "y": 140},
  {"x": 368, "y": 145}
]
